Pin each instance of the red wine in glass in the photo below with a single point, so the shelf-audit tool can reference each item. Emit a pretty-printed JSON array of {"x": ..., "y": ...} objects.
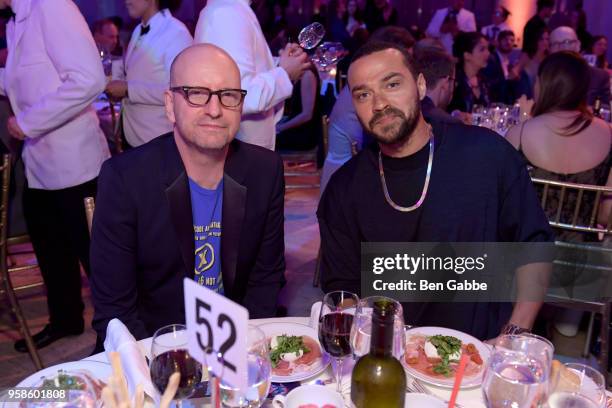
[
  {"x": 335, "y": 333},
  {"x": 165, "y": 364}
]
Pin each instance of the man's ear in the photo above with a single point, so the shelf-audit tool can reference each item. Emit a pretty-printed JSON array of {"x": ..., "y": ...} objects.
[
  {"x": 169, "y": 105},
  {"x": 421, "y": 86}
]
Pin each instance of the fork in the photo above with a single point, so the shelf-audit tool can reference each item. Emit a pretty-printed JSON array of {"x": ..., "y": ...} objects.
[{"x": 418, "y": 387}]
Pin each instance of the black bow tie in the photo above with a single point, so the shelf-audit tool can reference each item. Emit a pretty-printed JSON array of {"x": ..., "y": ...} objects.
[{"x": 144, "y": 29}]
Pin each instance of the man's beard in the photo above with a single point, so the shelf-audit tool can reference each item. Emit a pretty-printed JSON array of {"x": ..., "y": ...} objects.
[{"x": 407, "y": 125}]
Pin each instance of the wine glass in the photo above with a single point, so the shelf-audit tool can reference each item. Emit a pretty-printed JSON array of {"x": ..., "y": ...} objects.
[
  {"x": 335, "y": 321},
  {"x": 518, "y": 372},
  {"x": 362, "y": 327},
  {"x": 327, "y": 54},
  {"x": 107, "y": 62},
  {"x": 170, "y": 355},
  {"x": 259, "y": 373},
  {"x": 311, "y": 35},
  {"x": 577, "y": 385}
]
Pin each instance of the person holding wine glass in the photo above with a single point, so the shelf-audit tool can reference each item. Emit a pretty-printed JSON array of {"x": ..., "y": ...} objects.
[
  {"x": 335, "y": 322},
  {"x": 233, "y": 26}
]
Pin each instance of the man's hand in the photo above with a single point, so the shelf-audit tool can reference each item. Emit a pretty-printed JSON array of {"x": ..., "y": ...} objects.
[
  {"x": 116, "y": 89},
  {"x": 294, "y": 60},
  {"x": 14, "y": 129}
]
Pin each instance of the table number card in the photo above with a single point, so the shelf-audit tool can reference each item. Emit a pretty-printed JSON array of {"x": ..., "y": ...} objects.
[{"x": 215, "y": 324}]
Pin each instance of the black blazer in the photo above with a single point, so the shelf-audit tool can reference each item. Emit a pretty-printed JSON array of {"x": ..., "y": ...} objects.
[
  {"x": 142, "y": 242},
  {"x": 599, "y": 86}
]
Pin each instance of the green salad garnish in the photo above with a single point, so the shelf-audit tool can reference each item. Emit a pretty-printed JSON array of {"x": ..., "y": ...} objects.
[
  {"x": 286, "y": 344},
  {"x": 446, "y": 347},
  {"x": 64, "y": 381}
]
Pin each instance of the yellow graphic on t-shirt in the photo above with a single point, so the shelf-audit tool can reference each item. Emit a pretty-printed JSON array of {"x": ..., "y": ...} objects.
[{"x": 205, "y": 258}]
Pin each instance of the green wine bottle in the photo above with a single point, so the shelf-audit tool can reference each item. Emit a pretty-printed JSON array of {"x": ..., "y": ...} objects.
[{"x": 378, "y": 379}]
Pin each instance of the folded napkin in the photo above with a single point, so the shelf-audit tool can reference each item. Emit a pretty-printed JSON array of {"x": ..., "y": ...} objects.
[{"x": 119, "y": 339}]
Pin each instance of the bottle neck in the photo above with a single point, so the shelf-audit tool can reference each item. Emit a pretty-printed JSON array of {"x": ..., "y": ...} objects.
[{"x": 381, "y": 343}]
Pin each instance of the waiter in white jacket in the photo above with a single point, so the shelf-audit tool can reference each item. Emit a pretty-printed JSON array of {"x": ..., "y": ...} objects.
[
  {"x": 233, "y": 26},
  {"x": 52, "y": 75},
  {"x": 448, "y": 21},
  {"x": 155, "y": 42}
]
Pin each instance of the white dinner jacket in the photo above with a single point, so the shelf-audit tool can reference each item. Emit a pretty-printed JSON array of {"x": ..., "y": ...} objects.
[
  {"x": 233, "y": 26},
  {"x": 147, "y": 71},
  {"x": 465, "y": 22},
  {"x": 53, "y": 73}
]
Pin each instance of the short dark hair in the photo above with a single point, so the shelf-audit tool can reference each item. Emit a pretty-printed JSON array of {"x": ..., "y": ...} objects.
[
  {"x": 395, "y": 35},
  {"x": 99, "y": 25},
  {"x": 171, "y": 5},
  {"x": 504, "y": 33},
  {"x": 373, "y": 46},
  {"x": 541, "y": 4},
  {"x": 435, "y": 65},
  {"x": 564, "y": 78}
]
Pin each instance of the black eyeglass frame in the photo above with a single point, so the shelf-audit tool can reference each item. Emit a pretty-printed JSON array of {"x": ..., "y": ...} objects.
[{"x": 184, "y": 90}]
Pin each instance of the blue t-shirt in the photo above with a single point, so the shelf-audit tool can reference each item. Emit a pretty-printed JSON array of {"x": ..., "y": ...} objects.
[{"x": 206, "y": 208}]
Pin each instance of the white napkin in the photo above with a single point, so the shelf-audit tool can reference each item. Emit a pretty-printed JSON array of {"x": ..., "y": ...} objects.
[
  {"x": 315, "y": 311},
  {"x": 119, "y": 339}
]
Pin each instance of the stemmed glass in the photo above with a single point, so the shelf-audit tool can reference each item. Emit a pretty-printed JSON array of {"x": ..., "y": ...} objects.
[
  {"x": 170, "y": 355},
  {"x": 577, "y": 385},
  {"x": 362, "y": 327},
  {"x": 335, "y": 322},
  {"x": 259, "y": 372},
  {"x": 518, "y": 372},
  {"x": 327, "y": 54},
  {"x": 311, "y": 35}
]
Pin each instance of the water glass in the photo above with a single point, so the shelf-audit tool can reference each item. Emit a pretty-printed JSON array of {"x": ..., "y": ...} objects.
[
  {"x": 259, "y": 373},
  {"x": 362, "y": 327},
  {"x": 577, "y": 385},
  {"x": 518, "y": 372}
]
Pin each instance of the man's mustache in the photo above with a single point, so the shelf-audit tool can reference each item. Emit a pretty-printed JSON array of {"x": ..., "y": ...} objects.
[{"x": 390, "y": 111}]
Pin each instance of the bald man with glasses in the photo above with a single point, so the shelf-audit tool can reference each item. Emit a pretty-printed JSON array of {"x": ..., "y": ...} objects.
[{"x": 194, "y": 203}]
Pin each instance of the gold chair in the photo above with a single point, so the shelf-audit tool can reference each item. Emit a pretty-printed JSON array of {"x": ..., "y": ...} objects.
[
  {"x": 300, "y": 160},
  {"x": 7, "y": 286},
  {"x": 90, "y": 205},
  {"x": 571, "y": 196}
]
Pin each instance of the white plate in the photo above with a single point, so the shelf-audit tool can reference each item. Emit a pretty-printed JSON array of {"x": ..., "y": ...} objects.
[
  {"x": 474, "y": 381},
  {"x": 100, "y": 371},
  {"x": 296, "y": 329},
  {"x": 414, "y": 400}
]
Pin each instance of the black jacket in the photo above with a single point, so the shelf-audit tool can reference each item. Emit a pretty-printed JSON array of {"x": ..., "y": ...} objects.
[{"x": 143, "y": 241}]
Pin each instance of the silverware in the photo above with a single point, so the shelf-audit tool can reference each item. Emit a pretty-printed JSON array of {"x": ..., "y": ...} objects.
[{"x": 417, "y": 387}]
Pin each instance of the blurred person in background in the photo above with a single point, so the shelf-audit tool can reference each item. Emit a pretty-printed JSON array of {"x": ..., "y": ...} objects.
[
  {"x": 562, "y": 125},
  {"x": 600, "y": 50},
  {"x": 500, "y": 16},
  {"x": 52, "y": 77},
  {"x": 380, "y": 13},
  {"x": 533, "y": 54},
  {"x": 233, "y": 26},
  {"x": 565, "y": 39},
  {"x": 353, "y": 19},
  {"x": 504, "y": 85},
  {"x": 472, "y": 53},
  {"x": 536, "y": 24},
  {"x": 156, "y": 40},
  {"x": 438, "y": 68},
  {"x": 447, "y": 22},
  {"x": 106, "y": 36}
]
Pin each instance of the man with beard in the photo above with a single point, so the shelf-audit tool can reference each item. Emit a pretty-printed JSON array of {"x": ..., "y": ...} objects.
[{"x": 449, "y": 183}]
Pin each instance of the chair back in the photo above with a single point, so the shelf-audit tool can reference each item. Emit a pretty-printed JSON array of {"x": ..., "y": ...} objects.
[
  {"x": 89, "y": 211},
  {"x": 575, "y": 222},
  {"x": 325, "y": 131},
  {"x": 5, "y": 174}
]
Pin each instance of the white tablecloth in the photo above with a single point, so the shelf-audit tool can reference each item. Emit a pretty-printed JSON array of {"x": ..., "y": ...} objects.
[{"x": 468, "y": 398}]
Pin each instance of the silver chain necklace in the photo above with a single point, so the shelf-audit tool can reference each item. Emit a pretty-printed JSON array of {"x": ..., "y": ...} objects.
[{"x": 425, "y": 187}]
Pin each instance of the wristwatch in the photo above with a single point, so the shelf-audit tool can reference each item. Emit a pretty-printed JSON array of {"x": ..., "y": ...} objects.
[{"x": 510, "y": 328}]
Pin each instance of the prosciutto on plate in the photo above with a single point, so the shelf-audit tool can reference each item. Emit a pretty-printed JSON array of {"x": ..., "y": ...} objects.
[
  {"x": 431, "y": 356},
  {"x": 298, "y": 359}
]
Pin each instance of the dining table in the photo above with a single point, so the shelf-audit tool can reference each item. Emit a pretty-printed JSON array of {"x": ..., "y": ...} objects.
[{"x": 467, "y": 397}]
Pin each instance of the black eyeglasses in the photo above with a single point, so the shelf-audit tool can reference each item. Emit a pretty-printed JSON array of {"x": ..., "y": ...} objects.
[{"x": 200, "y": 96}]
